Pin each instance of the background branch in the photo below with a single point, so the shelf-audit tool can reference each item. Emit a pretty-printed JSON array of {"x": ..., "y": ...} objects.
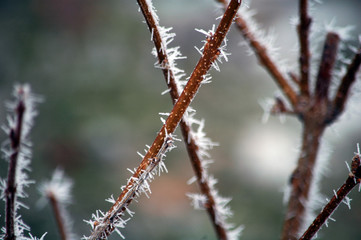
[
  {"x": 264, "y": 58},
  {"x": 344, "y": 89},
  {"x": 326, "y": 66},
  {"x": 303, "y": 34}
]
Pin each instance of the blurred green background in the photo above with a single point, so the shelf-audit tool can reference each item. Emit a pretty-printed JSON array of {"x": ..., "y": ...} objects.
[{"x": 91, "y": 62}]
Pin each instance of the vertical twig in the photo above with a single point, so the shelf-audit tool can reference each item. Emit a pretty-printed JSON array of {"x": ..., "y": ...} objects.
[
  {"x": 302, "y": 180},
  {"x": 326, "y": 66},
  {"x": 304, "y": 59},
  {"x": 57, "y": 212},
  {"x": 210, "y": 53},
  {"x": 10, "y": 192}
]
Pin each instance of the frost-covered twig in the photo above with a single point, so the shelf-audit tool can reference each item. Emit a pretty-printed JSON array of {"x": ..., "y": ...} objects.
[
  {"x": 17, "y": 151},
  {"x": 197, "y": 144},
  {"x": 262, "y": 52},
  {"x": 326, "y": 67},
  {"x": 339, "y": 197},
  {"x": 346, "y": 83},
  {"x": 315, "y": 110},
  {"x": 304, "y": 59},
  {"x": 57, "y": 190},
  {"x": 106, "y": 224}
]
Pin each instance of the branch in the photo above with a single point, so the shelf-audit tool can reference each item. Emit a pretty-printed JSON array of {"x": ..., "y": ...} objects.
[
  {"x": 10, "y": 192},
  {"x": 59, "y": 220},
  {"x": 168, "y": 68},
  {"x": 326, "y": 66},
  {"x": 339, "y": 197},
  {"x": 346, "y": 83},
  {"x": 264, "y": 58},
  {"x": 303, "y": 33},
  {"x": 105, "y": 227},
  {"x": 18, "y": 153}
]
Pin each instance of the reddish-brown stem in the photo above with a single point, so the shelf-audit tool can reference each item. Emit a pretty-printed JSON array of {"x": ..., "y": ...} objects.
[
  {"x": 343, "y": 90},
  {"x": 302, "y": 178},
  {"x": 294, "y": 78},
  {"x": 10, "y": 192},
  {"x": 58, "y": 217},
  {"x": 264, "y": 58},
  {"x": 209, "y": 56},
  {"x": 160, "y": 47},
  {"x": 303, "y": 33},
  {"x": 331, "y": 206},
  {"x": 191, "y": 144},
  {"x": 326, "y": 66}
]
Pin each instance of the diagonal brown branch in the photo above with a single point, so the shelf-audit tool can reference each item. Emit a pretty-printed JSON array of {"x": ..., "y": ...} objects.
[
  {"x": 264, "y": 58},
  {"x": 303, "y": 33},
  {"x": 106, "y": 227},
  {"x": 190, "y": 142},
  {"x": 346, "y": 83},
  {"x": 339, "y": 197}
]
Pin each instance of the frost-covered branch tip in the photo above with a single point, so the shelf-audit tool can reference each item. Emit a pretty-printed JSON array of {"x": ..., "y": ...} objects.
[
  {"x": 16, "y": 150},
  {"x": 58, "y": 192}
]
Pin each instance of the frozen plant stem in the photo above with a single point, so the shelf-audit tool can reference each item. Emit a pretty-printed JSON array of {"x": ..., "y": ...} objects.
[
  {"x": 339, "y": 196},
  {"x": 264, "y": 58},
  {"x": 191, "y": 143},
  {"x": 57, "y": 213},
  {"x": 303, "y": 33},
  {"x": 10, "y": 192},
  {"x": 103, "y": 229},
  {"x": 315, "y": 111}
]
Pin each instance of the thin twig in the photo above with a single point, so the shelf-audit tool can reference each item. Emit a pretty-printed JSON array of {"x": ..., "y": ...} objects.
[
  {"x": 338, "y": 197},
  {"x": 303, "y": 33},
  {"x": 264, "y": 58},
  {"x": 191, "y": 143},
  {"x": 326, "y": 66},
  {"x": 57, "y": 212},
  {"x": 106, "y": 227},
  {"x": 10, "y": 192},
  {"x": 346, "y": 83}
]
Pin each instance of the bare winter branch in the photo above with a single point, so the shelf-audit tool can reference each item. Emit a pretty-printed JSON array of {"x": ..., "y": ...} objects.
[
  {"x": 264, "y": 58},
  {"x": 339, "y": 197},
  {"x": 343, "y": 91},
  {"x": 326, "y": 66},
  {"x": 303, "y": 33},
  {"x": 210, "y": 53}
]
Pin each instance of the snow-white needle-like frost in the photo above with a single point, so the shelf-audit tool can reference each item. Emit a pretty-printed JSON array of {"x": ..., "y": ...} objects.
[
  {"x": 266, "y": 39},
  {"x": 114, "y": 219},
  {"x": 23, "y": 95},
  {"x": 59, "y": 188},
  {"x": 198, "y": 135}
]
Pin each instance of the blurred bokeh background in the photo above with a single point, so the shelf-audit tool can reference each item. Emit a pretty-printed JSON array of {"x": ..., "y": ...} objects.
[{"x": 91, "y": 62}]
